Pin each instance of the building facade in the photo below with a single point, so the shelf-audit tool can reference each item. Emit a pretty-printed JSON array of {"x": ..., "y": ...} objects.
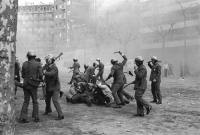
[
  {"x": 170, "y": 30},
  {"x": 61, "y": 26},
  {"x": 35, "y": 29}
]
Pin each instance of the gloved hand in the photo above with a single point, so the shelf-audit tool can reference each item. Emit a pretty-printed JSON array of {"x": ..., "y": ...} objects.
[{"x": 130, "y": 73}]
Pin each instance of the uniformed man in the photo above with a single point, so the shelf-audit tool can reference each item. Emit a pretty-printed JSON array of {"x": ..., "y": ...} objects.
[
  {"x": 101, "y": 69},
  {"x": 76, "y": 70},
  {"x": 155, "y": 79},
  {"x": 89, "y": 75},
  {"x": 85, "y": 67},
  {"x": 31, "y": 73},
  {"x": 52, "y": 87},
  {"x": 119, "y": 80},
  {"x": 140, "y": 87},
  {"x": 17, "y": 74}
]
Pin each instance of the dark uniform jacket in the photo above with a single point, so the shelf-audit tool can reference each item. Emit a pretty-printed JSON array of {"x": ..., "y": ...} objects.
[
  {"x": 31, "y": 69},
  {"x": 88, "y": 73},
  {"x": 140, "y": 78},
  {"x": 51, "y": 78},
  {"x": 75, "y": 67},
  {"x": 117, "y": 71},
  {"x": 101, "y": 67},
  {"x": 17, "y": 71},
  {"x": 155, "y": 72}
]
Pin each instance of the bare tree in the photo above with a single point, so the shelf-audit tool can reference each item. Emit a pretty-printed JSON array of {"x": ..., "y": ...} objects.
[
  {"x": 184, "y": 12},
  {"x": 101, "y": 34},
  {"x": 8, "y": 29},
  {"x": 123, "y": 23},
  {"x": 161, "y": 28},
  {"x": 78, "y": 34}
]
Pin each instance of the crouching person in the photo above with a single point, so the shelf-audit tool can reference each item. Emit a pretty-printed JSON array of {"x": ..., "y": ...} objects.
[
  {"x": 83, "y": 94},
  {"x": 73, "y": 90},
  {"x": 103, "y": 94},
  {"x": 52, "y": 87}
]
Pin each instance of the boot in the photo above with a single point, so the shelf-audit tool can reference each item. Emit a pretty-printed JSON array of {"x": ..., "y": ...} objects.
[{"x": 159, "y": 98}]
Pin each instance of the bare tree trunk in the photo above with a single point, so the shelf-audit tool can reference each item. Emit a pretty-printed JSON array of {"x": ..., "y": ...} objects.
[
  {"x": 8, "y": 27},
  {"x": 163, "y": 49},
  {"x": 125, "y": 49}
]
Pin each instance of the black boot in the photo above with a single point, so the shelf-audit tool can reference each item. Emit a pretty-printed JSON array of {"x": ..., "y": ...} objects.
[{"x": 159, "y": 98}]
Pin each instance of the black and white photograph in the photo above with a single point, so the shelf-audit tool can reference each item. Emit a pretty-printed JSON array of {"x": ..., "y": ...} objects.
[{"x": 99, "y": 67}]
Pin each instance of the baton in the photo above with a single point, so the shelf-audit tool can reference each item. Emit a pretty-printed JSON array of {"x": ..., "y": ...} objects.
[
  {"x": 117, "y": 52},
  {"x": 129, "y": 73},
  {"x": 127, "y": 85}
]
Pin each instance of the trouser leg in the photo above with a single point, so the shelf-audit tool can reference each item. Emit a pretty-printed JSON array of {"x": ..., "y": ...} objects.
[
  {"x": 115, "y": 88},
  {"x": 56, "y": 103},
  {"x": 48, "y": 101},
  {"x": 158, "y": 92},
  {"x": 24, "y": 110},
  {"x": 15, "y": 90},
  {"x": 141, "y": 103},
  {"x": 44, "y": 91},
  {"x": 153, "y": 91},
  {"x": 75, "y": 98},
  {"x": 35, "y": 113},
  {"x": 127, "y": 95}
]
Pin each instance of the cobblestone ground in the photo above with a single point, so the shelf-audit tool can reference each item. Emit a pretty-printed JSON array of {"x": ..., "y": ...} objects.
[{"x": 178, "y": 115}]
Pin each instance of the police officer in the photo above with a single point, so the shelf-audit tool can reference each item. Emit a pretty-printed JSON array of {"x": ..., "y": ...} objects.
[
  {"x": 101, "y": 69},
  {"x": 17, "y": 74},
  {"x": 76, "y": 70},
  {"x": 89, "y": 75},
  {"x": 119, "y": 80},
  {"x": 155, "y": 79},
  {"x": 140, "y": 86},
  {"x": 52, "y": 87},
  {"x": 31, "y": 72}
]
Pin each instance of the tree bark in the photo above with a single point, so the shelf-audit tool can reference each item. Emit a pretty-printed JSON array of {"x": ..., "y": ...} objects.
[{"x": 8, "y": 30}]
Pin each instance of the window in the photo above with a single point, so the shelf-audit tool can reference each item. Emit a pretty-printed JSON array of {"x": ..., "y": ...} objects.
[
  {"x": 27, "y": 9},
  {"x": 60, "y": 34},
  {"x": 41, "y": 9},
  {"x": 45, "y": 9},
  {"x": 60, "y": 6},
  {"x": 60, "y": 15},
  {"x": 68, "y": 12},
  {"x": 56, "y": 16},
  {"x": 56, "y": 7},
  {"x": 30, "y": 9},
  {"x": 38, "y": 9}
]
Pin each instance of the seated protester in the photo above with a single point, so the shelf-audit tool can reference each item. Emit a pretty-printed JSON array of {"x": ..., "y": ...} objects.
[
  {"x": 84, "y": 95},
  {"x": 103, "y": 94},
  {"x": 74, "y": 89}
]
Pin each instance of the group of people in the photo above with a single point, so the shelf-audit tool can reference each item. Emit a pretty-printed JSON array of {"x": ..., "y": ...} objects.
[
  {"x": 168, "y": 70},
  {"x": 87, "y": 87},
  {"x": 33, "y": 74}
]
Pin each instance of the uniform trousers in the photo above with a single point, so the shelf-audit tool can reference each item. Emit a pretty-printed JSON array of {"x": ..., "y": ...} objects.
[
  {"x": 54, "y": 95},
  {"x": 155, "y": 89},
  {"x": 27, "y": 94},
  {"x": 141, "y": 103},
  {"x": 117, "y": 92}
]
